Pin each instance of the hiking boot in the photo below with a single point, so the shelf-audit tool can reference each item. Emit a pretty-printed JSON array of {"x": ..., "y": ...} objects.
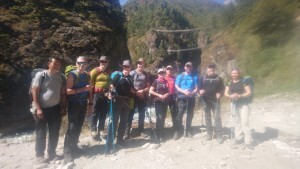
[
  {"x": 94, "y": 135},
  {"x": 122, "y": 143},
  {"x": 208, "y": 137},
  {"x": 189, "y": 134},
  {"x": 220, "y": 139},
  {"x": 77, "y": 151},
  {"x": 40, "y": 160},
  {"x": 53, "y": 157},
  {"x": 176, "y": 135},
  {"x": 143, "y": 134},
  {"x": 103, "y": 133},
  {"x": 249, "y": 146},
  {"x": 127, "y": 136},
  {"x": 68, "y": 157}
]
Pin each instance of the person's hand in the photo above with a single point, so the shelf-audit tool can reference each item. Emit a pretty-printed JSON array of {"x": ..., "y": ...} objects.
[
  {"x": 39, "y": 114},
  {"x": 89, "y": 110},
  {"x": 63, "y": 111},
  {"x": 109, "y": 96},
  {"x": 87, "y": 87},
  {"x": 186, "y": 92},
  {"x": 233, "y": 96},
  {"x": 218, "y": 96},
  {"x": 201, "y": 92}
]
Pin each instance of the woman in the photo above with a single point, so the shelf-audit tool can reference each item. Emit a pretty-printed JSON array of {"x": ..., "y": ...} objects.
[
  {"x": 238, "y": 91},
  {"x": 160, "y": 90}
]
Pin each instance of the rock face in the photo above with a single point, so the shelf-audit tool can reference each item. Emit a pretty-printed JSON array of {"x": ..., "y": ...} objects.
[{"x": 30, "y": 35}]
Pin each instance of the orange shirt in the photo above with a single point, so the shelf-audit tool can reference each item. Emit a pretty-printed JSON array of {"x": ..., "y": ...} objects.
[{"x": 171, "y": 82}]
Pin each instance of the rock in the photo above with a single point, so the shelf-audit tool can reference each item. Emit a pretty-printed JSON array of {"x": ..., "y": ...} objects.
[
  {"x": 40, "y": 166},
  {"x": 146, "y": 145},
  {"x": 223, "y": 164},
  {"x": 69, "y": 165}
]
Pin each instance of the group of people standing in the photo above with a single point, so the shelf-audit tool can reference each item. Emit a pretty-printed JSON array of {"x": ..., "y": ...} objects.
[{"x": 82, "y": 93}]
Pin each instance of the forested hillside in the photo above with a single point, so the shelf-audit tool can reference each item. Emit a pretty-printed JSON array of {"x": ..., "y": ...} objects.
[
  {"x": 33, "y": 30},
  {"x": 259, "y": 37}
]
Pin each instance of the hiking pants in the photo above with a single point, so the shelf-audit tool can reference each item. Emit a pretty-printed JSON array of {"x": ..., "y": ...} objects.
[
  {"x": 52, "y": 117},
  {"x": 141, "y": 105},
  {"x": 120, "y": 112},
  {"x": 183, "y": 105},
  {"x": 161, "y": 112},
  {"x": 76, "y": 115},
  {"x": 242, "y": 124},
  {"x": 173, "y": 108},
  {"x": 100, "y": 108},
  {"x": 213, "y": 108}
]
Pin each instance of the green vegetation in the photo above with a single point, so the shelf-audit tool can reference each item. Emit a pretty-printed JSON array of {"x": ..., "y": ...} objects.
[{"x": 263, "y": 36}]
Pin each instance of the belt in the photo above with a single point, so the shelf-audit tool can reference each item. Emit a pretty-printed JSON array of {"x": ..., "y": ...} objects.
[{"x": 99, "y": 90}]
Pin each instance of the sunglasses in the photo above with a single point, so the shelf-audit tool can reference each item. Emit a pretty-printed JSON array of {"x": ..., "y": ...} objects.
[
  {"x": 169, "y": 69},
  {"x": 126, "y": 67},
  {"x": 103, "y": 61},
  {"x": 81, "y": 63},
  {"x": 161, "y": 73}
]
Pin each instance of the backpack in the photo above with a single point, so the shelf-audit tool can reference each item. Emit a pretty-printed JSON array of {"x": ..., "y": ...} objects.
[
  {"x": 33, "y": 76},
  {"x": 248, "y": 80},
  {"x": 72, "y": 68}
]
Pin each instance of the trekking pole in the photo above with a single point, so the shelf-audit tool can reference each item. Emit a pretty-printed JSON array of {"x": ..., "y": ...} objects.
[
  {"x": 203, "y": 103},
  {"x": 148, "y": 114},
  {"x": 110, "y": 130},
  {"x": 233, "y": 115},
  {"x": 185, "y": 125}
]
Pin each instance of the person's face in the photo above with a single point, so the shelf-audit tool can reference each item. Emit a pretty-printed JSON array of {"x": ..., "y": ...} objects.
[
  {"x": 235, "y": 74},
  {"x": 126, "y": 69},
  {"x": 188, "y": 68},
  {"x": 54, "y": 65},
  {"x": 81, "y": 64},
  {"x": 140, "y": 65},
  {"x": 161, "y": 74},
  {"x": 210, "y": 71},
  {"x": 169, "y": 71},
  {"x": 103, "y": 64}
]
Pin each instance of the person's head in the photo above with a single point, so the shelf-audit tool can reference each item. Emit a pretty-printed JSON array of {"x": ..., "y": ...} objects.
[
  {"x": 188, "y": 67},
  {"x": 211, "y": 69},
  {"x": 169, "y": 70},
  {"x": 140, "y": 64},
  {"x": 161, "y": 73},
  {"x": 126, "y": 67},
  {"x": 103, "y": 62},
  {"x": 54, "y": 63},
  {"x": 81, "y": 63},
  {"x": 235, "y": 74}
]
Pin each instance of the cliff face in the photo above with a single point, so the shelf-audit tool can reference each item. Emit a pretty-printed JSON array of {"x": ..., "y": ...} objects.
[{"x": 31, "y": 32}]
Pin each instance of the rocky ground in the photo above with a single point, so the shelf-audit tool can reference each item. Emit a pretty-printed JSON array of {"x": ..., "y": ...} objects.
[{"x": 274, "y": 119}]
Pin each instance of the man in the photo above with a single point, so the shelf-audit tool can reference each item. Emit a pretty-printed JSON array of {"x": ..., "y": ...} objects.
[
  {"x": 187, "y": 86},
  {"x": 172, "y": 98},
  {"x": 79, "y": 98},
  {"x": 49, "y": 97},
  {"x": 141, "y": 83},
  {"x": 122, "y": 89},
  {"x": 212, "y": 88},
  {"x": 100, "y": 80}
]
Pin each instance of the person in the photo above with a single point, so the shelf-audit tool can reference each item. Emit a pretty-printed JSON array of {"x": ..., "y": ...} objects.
[
  {"x": 49, "y": 97},
  {"x": 238, "y": 91},
  {"x": 79, "y": 97},
  {"x": 141, "y": 83},
  {"x": 100, "y": 80},
  {"x": 160, "y": 90},
  {"x": 187, "y": 86},
  {"x": 122, "y": 90},
  {"x": 211, "y": 90},
  {"x": 172, "y": 91}
]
